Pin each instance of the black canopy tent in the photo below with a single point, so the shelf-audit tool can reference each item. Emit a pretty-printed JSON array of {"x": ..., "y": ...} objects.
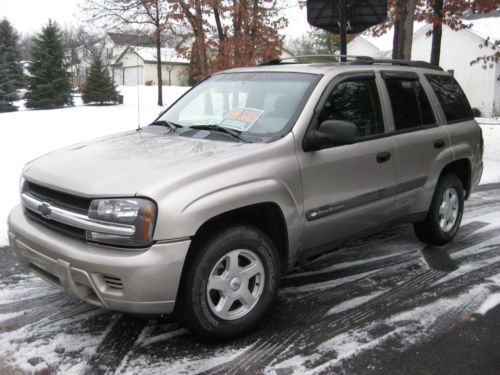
[{"x": 346, "y": 16}]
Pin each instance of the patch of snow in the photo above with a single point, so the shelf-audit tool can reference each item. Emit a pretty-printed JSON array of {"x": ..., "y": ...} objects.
[
  {"x": 24, "y": 287},
  {"x": 164, "y": 336},
  {"x": 355, "y": 302},
  {"x": 492, "y": 301},
  {"x": 4, "y": 240},
  {"x": 326, "y": 284},
  {"x": 488, "y": 120},
  {"x": 410, "y": 327},
  {"x": 491, "y": 158},
  {"x": 28, "y": 134},
  {"x": 344, "y": 265},
  {"x": 184, "y": 365},
  {"x": 467, "y": 268},
  {"x": 51, "y": 343},
  {"x": 9, "y": 316}
]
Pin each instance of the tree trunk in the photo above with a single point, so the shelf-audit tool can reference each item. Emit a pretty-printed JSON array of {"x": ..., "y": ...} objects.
[
  {"x": 218, "y": 23},
  {"x": 403, "y": 29},
  {"x": 200, "y": 39},
  {"x": 437, "y": 32}
]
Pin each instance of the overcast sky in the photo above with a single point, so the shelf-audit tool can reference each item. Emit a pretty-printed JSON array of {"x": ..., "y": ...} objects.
[{"x": 28, "y": 16}]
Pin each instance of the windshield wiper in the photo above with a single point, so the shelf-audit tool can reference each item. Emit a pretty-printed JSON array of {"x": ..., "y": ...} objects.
[
  {"x": 217, "y": 128},
  {"x": 171, "y": 125}
]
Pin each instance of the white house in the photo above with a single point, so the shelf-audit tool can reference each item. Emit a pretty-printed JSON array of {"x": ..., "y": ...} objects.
[
  {"x": 138, "y": 66},
  {"x": 458, "y": 49}
]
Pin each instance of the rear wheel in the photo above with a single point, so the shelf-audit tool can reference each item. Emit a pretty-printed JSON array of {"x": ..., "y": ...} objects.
[
  {"x": 445, "y": 214},
  {"x": 231, "y": 280}
]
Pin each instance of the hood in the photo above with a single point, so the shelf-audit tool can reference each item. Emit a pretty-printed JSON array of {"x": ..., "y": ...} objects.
[{"x": 130, "y": 163}]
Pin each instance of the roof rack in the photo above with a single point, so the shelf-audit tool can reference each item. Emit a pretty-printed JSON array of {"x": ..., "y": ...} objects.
[
  {"x": 411, "y": 63},
  {"x": 350, "y": 59},
  {"x": 305, "y": 59}
]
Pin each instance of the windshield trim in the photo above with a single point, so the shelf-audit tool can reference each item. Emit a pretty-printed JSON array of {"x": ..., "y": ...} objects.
[{"x": 293, "y": 119}]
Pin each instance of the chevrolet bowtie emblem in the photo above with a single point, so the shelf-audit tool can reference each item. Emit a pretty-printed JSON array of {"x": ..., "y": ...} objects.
[{"x": 44, "y": 210}]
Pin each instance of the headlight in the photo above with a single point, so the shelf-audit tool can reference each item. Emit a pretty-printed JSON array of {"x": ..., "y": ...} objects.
[{"x": 139, "y": 212}]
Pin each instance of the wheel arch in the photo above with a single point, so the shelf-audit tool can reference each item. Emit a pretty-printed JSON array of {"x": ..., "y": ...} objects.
[
  {"x": 266, "y": 216},
  {"x": 462, "y": 169}
]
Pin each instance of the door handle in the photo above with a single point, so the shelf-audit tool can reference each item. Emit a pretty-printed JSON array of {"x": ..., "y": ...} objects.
[
  {"x": 439, "y": 143},
  {"x": 382, "y": 157}
]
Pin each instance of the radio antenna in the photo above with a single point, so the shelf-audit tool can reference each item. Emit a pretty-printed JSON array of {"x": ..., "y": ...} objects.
[{"x": 138, "y": 88}]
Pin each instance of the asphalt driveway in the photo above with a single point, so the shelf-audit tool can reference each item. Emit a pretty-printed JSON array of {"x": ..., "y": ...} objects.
[{"x": 383, "y": 304}]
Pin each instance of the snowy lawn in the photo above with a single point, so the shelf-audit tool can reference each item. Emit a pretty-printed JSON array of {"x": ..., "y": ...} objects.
[
  {"x": 491, "y": 158},
  {"x": 27, "y": 134}
]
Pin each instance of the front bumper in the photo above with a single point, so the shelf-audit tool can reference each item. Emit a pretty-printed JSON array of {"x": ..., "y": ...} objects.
[{"x": 133, "y": 281}]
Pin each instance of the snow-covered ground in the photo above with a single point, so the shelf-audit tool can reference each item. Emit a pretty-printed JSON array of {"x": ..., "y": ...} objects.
[
  {"x": 27, "y": 134},
  {"x": 491, "y": 158}
]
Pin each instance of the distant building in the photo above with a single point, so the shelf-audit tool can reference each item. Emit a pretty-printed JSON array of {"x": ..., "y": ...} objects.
[
  {"x": 138, "y": 65},
  {"x": 458, "y": 49}
]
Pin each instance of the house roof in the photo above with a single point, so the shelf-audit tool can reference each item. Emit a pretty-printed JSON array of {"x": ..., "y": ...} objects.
[
  {"x": 148, "y": 54},
  {"x": 384, "y": 42},
  {"x": 482, "y": 25},
  {"x": 167, "y": 54},
  {"x": 486, "y": 27},
  {"x": 132, "y": 39}
]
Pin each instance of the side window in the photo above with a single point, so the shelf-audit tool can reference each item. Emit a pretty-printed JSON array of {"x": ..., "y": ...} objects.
[
  {"x": 455, "y": 105},
  {"x": 410, "y": 106},
  {"x": 356, "y": 101}
]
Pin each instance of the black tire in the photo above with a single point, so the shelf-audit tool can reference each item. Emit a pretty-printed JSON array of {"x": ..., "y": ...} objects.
[
  {"x": 195, "y": 307},
  {"x": 430, "y": 231}
]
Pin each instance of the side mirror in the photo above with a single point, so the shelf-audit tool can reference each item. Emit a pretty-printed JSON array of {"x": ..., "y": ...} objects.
[{"x": 331, "y": 133}]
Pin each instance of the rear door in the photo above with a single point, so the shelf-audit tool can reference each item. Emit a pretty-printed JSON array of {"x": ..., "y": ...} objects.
[
  {"x": 348, "y": 188},
  {"x": 464, "y": 132},
  {"x": 422, "y": 147}
]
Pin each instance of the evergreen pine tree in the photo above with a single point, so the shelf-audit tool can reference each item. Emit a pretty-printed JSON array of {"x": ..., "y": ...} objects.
[
  {"x": 99, "y": 86},
  {"x": 11, "y": 69},
  {"x": 7, "y": 88},
  {"x": 49, "y": 85}
]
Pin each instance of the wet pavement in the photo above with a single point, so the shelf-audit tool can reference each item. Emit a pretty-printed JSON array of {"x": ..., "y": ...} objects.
[{"x": 383, "y": 304}]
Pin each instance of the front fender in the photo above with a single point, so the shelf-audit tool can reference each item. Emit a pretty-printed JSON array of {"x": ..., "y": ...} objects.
[{"x": 197, "y": 212}]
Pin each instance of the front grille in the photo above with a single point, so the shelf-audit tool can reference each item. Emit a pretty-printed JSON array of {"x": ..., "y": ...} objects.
[
  {"x": 57, "y": 198},
  {"x": 60, "y": 227}
]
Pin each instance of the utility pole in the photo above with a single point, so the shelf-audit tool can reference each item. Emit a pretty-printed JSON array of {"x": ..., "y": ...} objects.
[{"x": 343, "y": 28}]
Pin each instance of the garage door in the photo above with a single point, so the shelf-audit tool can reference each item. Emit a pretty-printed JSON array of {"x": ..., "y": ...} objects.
[
  {"x": 133, "y": 76},
  {"x": 118, "y": 76}
]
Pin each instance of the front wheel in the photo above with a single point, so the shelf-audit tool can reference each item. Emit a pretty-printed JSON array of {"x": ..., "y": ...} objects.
[
  {"x": 445, "y": 214},
  {"x": 230, "y": 281}
]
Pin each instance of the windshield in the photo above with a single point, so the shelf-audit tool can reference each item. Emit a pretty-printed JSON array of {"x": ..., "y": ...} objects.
[{"x": 257, "y": 106}]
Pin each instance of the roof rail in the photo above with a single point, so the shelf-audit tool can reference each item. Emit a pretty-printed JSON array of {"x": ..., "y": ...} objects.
[
  {"x": 411, "y": 63},
  {"x": 351, "y": 59},
  {"x": 301, "y": 59}
]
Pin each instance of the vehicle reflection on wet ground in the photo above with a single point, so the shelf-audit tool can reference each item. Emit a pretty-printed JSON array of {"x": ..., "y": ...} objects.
[{"x": 370, "y": 307}]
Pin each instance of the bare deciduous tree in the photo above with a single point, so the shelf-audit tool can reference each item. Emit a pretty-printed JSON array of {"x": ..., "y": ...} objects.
[{"x": 148, "y": 15}]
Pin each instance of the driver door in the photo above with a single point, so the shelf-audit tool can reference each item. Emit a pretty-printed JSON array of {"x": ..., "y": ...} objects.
[{"x": 349, "y": 188}]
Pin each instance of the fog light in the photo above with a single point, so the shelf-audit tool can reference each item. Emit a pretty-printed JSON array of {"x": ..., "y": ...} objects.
[{"x": 96, "y": 236}]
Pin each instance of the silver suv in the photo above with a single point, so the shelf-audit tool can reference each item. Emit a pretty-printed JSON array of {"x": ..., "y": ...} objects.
[{"x": 251, "y": 172}]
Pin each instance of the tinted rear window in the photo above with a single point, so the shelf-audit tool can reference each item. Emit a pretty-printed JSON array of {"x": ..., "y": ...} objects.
[
  {"x": 455, "y": 105},
  {"x": 410, "y": 106}
]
